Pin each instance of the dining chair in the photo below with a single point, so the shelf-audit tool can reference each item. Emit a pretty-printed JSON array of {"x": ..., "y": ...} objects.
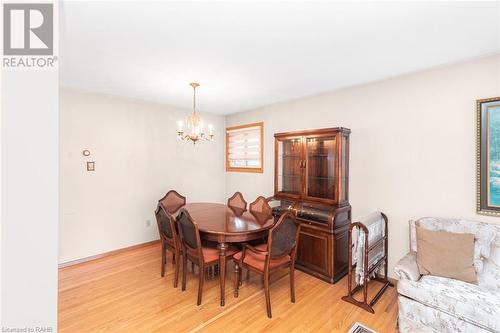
[
  {"x": 173, "y": 201},
  {"x": 193, "y": 249},
  {"x": 279, "y": 252},
  {"x": 261, "y": 210},
  {"x": 261, "y": 206},
  {"x": 167, "y": 206},
  {"x": 237, "y": 201}
]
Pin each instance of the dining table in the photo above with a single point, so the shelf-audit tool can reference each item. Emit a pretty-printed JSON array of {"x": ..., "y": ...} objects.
[{"x": 223, "y": 224}]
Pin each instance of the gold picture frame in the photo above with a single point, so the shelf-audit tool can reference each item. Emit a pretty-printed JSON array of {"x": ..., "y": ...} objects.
[{"x": 488, "y": 156}]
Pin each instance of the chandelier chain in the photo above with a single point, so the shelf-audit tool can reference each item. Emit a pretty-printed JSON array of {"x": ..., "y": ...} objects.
[{"x": 194, "y": 99}]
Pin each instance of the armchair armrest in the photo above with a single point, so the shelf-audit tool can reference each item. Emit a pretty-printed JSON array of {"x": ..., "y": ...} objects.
[{"x": 407, "y": 268}]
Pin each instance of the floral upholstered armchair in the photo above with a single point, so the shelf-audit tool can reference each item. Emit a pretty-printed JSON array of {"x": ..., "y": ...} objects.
[{"x": 436, "y": 304}]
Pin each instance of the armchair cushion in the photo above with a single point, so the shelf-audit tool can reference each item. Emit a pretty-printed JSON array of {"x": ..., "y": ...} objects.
[
  {"x": 484, "y": 234},
  {"x": 463, "y": 300},
  {"x": 407, "y": 267},
  {"x": 446, "y": 254}
]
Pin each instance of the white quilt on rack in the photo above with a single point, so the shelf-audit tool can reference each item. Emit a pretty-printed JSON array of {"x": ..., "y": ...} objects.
[{"x": 376, "y": 230}]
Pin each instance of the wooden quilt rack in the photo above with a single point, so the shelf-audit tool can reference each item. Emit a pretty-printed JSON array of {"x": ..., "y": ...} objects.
[{"x": 365, "y": 304}]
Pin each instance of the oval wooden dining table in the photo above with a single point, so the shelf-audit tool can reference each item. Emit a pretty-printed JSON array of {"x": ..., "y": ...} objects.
[{"x": 222, "y": 224}]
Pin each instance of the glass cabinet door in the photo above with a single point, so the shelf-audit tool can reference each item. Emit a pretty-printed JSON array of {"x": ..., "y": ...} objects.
[
  {"x": 320, "y": 167},
  {"x": 289, "y": 162}
]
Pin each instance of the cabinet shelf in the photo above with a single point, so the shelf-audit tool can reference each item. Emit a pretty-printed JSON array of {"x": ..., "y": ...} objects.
[
  {"x": 292, "y": 176},
  {"x": 321, "y": 178},
  {"x": 290, "y": 156},
  {"x": 319, "y": 155}
]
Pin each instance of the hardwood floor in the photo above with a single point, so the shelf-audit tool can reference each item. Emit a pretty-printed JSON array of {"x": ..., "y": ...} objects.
[{"x": 125, "y": 293}]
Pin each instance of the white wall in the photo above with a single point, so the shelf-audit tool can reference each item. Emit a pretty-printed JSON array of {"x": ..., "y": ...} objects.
[
  {"x": 413, "y": 143},
  {"x": 412, "y": 154},
  {"x": 138, "y": 159},
  {"x": 29, "y": 129}
]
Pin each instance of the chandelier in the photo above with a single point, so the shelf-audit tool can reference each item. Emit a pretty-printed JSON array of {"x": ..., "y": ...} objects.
[{"x": 194, "y": 125}]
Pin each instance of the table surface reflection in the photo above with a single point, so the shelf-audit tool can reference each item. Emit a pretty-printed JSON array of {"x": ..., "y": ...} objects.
[{"x": 221, "y": 219}]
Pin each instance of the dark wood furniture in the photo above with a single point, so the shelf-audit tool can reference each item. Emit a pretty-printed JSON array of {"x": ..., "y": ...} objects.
[
  {"x": 237, "y": 201},
  {"x": 279, "y": 252},
  {"x": 167, "y": 206},
  {"x": 311, "y": 180},
  {"x": 219, "y": 223},
  {"x": 192, "y": 248},
  {"x": 368, "y": 270},
  {"x": 261, "y": 206}
]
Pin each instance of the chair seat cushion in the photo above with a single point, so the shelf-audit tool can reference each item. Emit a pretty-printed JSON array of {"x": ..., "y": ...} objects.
[
  {"x": 257, "y": 261},
  {"x": 466, "y": 301},
  {"x": 211, "y": 253}
]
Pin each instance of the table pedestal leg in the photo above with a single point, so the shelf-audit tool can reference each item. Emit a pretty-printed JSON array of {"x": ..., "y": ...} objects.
[{"x": 222, "y": 272}]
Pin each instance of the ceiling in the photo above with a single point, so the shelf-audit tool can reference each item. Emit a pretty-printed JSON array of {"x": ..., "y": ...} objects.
[{"x": 246, "y": 55}]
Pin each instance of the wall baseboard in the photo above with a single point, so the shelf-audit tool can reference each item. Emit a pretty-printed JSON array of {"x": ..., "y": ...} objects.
[{"x": 105, "y": 254}]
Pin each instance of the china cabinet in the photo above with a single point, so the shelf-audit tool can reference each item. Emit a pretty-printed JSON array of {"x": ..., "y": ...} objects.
[{"x": 311, "y": 179}]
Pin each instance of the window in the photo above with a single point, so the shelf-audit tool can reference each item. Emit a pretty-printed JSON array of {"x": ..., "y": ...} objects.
[{"x": 245, "y": 148}]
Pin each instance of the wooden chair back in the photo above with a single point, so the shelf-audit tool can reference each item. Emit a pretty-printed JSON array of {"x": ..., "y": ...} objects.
[
  {"x": 261, "y": 206},
  {"x": 188, "y": 232},
  {"x": 172, "y": 201},
  {"x": 237, "y": 201},
  {"x": 283, "y": 237},
  {"x": 165, "y": 222}
]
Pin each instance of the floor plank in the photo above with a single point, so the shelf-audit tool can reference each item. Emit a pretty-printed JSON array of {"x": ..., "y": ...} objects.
[{"x": 125, "y": 293}]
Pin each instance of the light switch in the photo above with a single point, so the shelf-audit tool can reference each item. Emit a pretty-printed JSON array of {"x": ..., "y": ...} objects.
[{"x": 90, "y": 166}]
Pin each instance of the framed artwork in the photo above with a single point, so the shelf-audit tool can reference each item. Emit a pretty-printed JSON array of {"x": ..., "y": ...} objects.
[{"x": 488, "y": 156}]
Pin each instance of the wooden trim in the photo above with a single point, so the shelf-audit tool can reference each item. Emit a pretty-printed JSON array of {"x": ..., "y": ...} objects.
[
  {"x": 252, "y": 170},
  {"x": 106, "y": 254},
  {"x": 237, "y": 127},
  {"x": 338, "y": 166},
  {"x": 316, "y": 131},
  {"x": 346, "y": 192}
]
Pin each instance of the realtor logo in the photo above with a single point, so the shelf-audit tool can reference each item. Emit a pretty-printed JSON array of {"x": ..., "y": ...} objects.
[{"x": 28, "y": 29}]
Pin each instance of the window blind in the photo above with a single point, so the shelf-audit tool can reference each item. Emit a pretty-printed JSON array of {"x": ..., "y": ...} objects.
[{"x": 244, "y": 147}]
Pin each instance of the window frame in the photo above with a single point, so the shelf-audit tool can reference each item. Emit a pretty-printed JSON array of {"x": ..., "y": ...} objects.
[{"x": 240, "y": 169}]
